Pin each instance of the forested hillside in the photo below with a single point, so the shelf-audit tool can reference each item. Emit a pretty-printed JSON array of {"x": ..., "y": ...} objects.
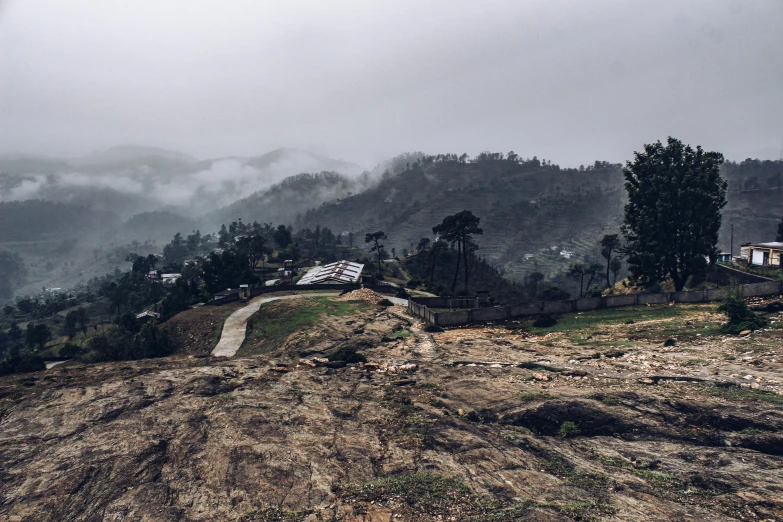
[
  {"x": 536, "y": 216},
  {"x": 36, "y": 219},
  {"x": 284, "y": 201},
  {"x": 755, "y": 201}
]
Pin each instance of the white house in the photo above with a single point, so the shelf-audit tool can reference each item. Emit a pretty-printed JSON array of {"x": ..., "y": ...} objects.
[{"x": 763, "y": 254}]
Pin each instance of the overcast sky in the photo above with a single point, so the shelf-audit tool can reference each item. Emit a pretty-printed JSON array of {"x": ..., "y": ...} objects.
[{"x": 570, "y": 81}]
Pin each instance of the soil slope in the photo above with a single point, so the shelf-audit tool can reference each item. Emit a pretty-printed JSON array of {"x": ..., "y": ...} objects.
[{"x": 592, "y": 419}]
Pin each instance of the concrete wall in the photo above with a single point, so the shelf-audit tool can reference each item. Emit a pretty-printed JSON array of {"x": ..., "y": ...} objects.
[
  {"x": 762, "y": 289},
  {"x": 557, "y": 307},
  {"x": 418, "y": 307},
  {"x": 525, "y": 309},
  {"x": 494, "y": 313},
  {"x": 645, "y": 299},
  {"x": 696, "y": 296},
  {"x": 725, "y": 274},
  {"x": 588, "y": 303},
  {"x": 716, "y": 294},
  {"x": 452, "y": 318},
  {"x": 613, "y": 301}
]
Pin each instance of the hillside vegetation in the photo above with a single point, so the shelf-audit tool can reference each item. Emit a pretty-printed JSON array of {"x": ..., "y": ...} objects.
[{"x": 535, "y": 217}]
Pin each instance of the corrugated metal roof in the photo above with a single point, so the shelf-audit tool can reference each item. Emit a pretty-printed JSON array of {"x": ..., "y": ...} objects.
[
  {"x": 774, "y": 244},
  {"x": 339, "y": 272}
]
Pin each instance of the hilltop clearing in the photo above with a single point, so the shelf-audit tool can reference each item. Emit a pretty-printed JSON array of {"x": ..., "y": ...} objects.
[{"x": 634, "y": 414}]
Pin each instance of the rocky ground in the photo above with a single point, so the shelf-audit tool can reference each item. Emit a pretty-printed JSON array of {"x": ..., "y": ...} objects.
[{"x": 592, "y": 419}]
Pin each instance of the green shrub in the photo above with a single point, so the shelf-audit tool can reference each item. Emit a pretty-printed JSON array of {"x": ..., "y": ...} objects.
[
  {"x": 431, "y": 328},
  {"x": 544, "y": 321},
  {"x": 669, "y": 342},
  {"x": 347, "y": 354},
  {"x": 740, "y": 317},
  {"x": 569, "y": 429},
  {"x": 385, "y": 302},
  {"x": 413, "y": 283},
  {"x": 402, "y": 294}
]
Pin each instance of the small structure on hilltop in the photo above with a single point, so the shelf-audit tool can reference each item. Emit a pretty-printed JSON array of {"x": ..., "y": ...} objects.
[
  {"x": 147, "y": 316},
  {"x": 483, "y": 299},
  {"x": 724, "y": 257},
  {"x": 228, "y": 292},
  {"x": 244, "y": 292},
  {"x": 340, "y": 272},
  {"x": 762, "y": 254},
  {"x": 169, "y": 279}
]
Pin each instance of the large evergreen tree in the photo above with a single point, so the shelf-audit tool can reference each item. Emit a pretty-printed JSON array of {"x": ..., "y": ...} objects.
[{"x": 673, "y": 214}]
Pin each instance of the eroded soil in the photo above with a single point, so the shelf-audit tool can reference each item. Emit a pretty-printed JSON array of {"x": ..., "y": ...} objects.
[{"x": 498, "y": 422}]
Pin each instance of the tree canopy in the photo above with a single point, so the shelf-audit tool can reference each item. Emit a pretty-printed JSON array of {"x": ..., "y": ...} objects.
[{"x": 673, "y": 214}]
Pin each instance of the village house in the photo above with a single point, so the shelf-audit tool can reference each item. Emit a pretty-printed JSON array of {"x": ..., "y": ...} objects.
[
  {"x": 333, "y": 273},
  {"x": 762, "y": 254}
]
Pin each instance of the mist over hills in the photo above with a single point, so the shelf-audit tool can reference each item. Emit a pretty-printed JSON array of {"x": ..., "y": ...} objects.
[{"x": 129, "y": 180}]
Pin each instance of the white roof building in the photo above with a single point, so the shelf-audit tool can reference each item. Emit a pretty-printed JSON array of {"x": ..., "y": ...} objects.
[{"x": 334, "y": 273}]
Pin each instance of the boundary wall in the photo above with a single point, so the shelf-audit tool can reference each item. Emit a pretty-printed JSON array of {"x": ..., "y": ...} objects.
[
  {"x": 420, "y": 306},
  {"x": 337, "y": 287}
]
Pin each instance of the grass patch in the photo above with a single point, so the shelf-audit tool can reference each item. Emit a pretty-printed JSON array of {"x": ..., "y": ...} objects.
[
  {"x": 582, "y": 327},
  {"x": 436, "y": 495},
  {"x": 276, "y": 321},
  {"x": 401, "y": 334},
  {"x": 223, "y": 397},
  {"x": 736, "y": 393},
  {"x": 433, "y": 494},
  {"x": 533, "y": 396}
]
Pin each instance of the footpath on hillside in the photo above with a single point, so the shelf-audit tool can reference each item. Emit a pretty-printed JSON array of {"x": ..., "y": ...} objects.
[{"x": 235, "y": 327}]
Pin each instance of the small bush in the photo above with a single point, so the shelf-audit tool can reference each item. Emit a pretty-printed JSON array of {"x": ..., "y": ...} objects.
[
  {"x": 545, "y": 321},
  {"x": 569, "y": 429},
  {"x": 413, "y": 283},
  {"x": 347, "y": 354},
  {"x": 402, "y": 294},
  {"x": 630, "y": 321},
  {"x": 669, "y": 342},
  {"x": 385, "y": 302},
  {"x": 594, "y": 291},
  {"x": 431, "y": 328},
  {"x": 740, "y": 317}
]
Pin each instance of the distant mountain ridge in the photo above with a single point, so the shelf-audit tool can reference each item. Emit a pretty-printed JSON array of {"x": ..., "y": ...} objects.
[{"x": 129, "y": 180}]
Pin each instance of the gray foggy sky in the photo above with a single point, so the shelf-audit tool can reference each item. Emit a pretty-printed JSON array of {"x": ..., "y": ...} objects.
[{"x": 570, "y": 81}]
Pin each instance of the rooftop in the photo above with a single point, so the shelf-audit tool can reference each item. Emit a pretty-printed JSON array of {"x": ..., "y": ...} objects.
[{"x": 339, "y": 272}]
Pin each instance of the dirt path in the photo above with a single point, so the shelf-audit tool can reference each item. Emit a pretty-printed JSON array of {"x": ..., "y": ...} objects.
[{"x": 233, "y": 333}]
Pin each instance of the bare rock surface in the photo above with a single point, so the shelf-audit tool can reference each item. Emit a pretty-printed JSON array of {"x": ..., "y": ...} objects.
[{"x": 452, "y": 425}]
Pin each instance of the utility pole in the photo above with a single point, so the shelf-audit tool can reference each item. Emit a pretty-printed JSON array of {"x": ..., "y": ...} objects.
[{"x": 731, "y": 256}]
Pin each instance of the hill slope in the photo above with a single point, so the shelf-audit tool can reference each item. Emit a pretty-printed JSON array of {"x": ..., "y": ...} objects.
[{"x": 525, "y": 209}]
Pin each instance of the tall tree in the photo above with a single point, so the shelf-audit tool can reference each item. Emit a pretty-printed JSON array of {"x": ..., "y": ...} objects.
[
  {"x": 609, "y": 244},
  {"x": 437, "y": 247},
  {"x": 577, "y": 271},
  {"x": 282, "y": 237},
  {"x": 673, "y": 214},
  {"x": 779, "y": 237},
  {"x": 375, "y": 238},
  {"x": 82, "y": 318},
  {"x": 447, "y": 232},
  {"x": 459, "y": 228},
  {"x": 615, "y": 266}
]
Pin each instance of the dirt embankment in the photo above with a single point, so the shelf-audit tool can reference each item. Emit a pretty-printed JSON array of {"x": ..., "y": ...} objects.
[{"x": 477, "y": 424}]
